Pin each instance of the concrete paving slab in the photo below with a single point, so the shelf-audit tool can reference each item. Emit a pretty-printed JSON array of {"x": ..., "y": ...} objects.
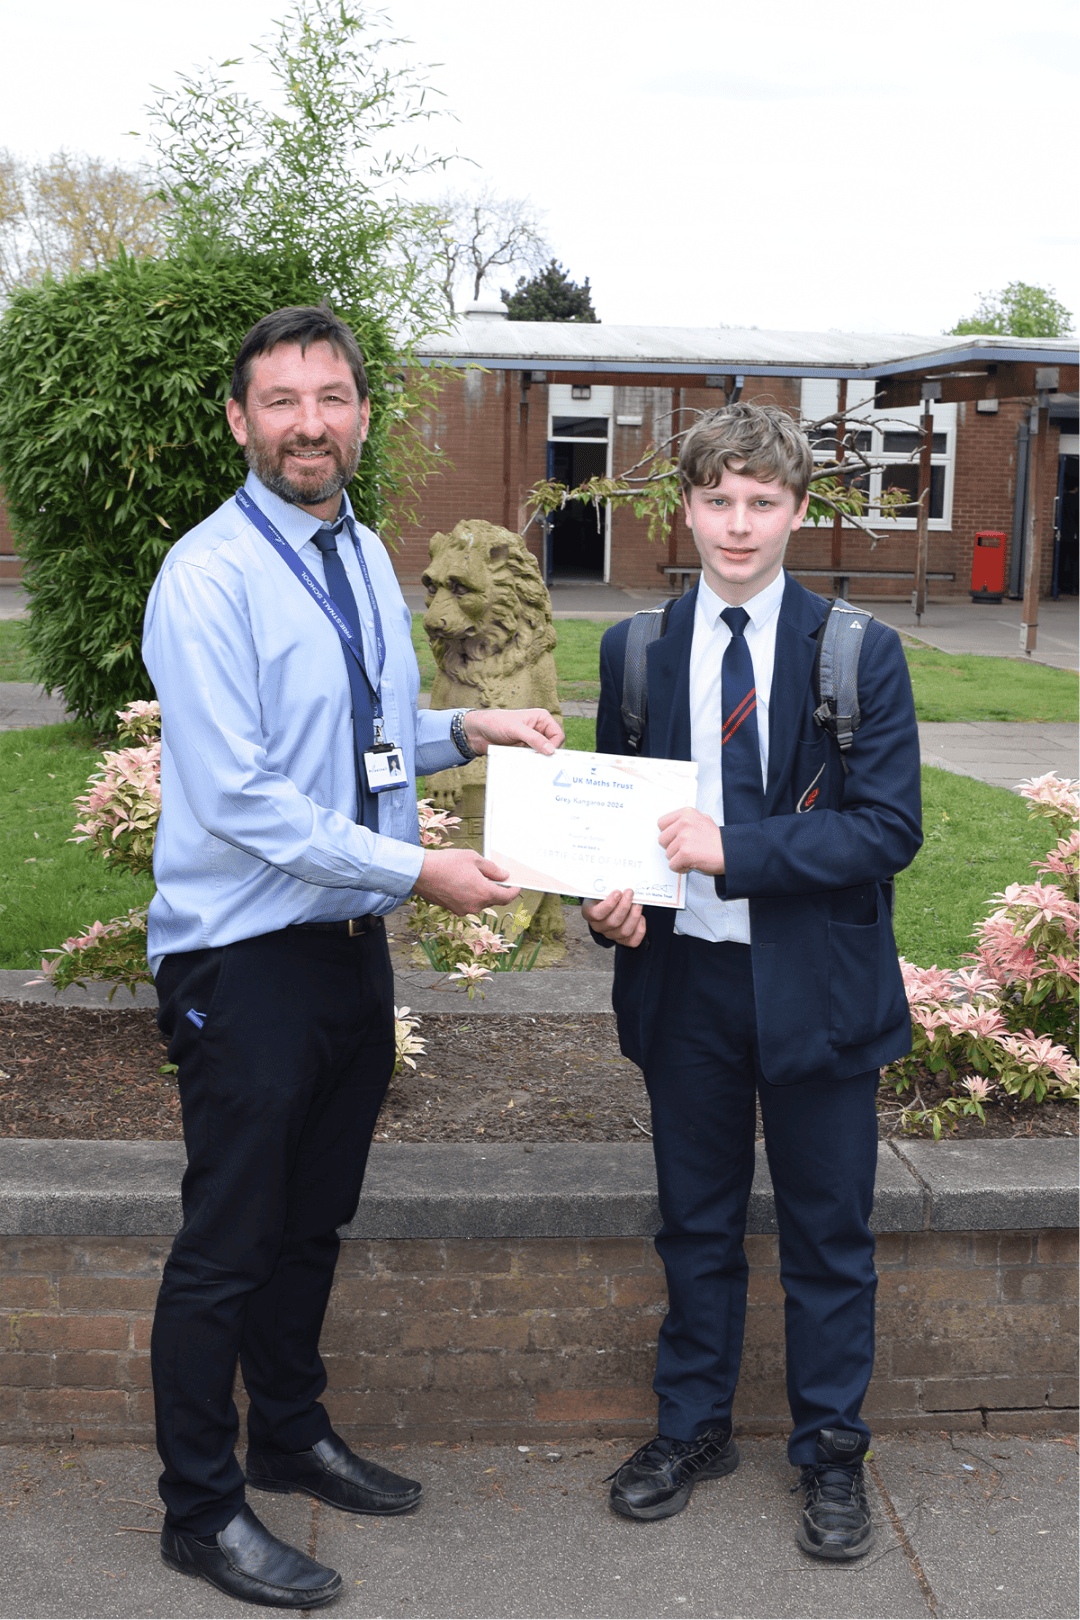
[
  {"x": 958, "y": 626},
  {"x": 1001, "y": 752},
  {"x": 555, "y": 990},
  {"x": 996, "y": 1185},
  {"x": 22, "y": 704},
  {"x": 470, "y": 1190},
  {"x": 992, "y": 1521},
  {"x": 502, "y": 1532},
  {"x": 14, "y": 602},
  {"x": 16, "y": 984}
]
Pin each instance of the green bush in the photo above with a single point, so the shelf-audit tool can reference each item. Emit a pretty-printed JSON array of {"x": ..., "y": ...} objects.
[{"x": 113, "y": 442}]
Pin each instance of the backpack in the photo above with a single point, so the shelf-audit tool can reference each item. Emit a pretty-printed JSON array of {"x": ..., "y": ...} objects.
[{"x": 836, "y": 672}]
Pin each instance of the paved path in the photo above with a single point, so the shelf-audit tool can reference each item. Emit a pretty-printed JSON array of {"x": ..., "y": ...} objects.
[
  {"x": 956, "y": 626},
  {"x": 1002, "y": 752},
  {"x": 23, "y": 705},
  {"x": 13, "y": 602},
  {"x": 969, "y": 1525}
]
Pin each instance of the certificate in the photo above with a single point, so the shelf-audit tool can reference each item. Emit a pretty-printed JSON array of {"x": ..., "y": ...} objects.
[{"x": 576, "y": 823}]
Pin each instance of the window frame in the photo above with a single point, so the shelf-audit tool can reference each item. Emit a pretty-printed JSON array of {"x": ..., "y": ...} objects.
[{"x": 814, "y": 406}]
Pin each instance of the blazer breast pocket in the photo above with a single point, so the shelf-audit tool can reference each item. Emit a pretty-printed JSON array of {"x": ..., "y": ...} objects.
[{"x": 866, "y": 989}]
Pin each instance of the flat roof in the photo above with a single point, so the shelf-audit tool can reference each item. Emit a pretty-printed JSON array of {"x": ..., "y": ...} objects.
[{"x": 503, "y": 345}]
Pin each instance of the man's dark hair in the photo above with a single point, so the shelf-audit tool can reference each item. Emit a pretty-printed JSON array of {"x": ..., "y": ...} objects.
[{"x": 303, "y": 325}]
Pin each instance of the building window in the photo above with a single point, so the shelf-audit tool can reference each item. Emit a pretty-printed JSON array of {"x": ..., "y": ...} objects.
[
  {"x": 580, "y": 391},
  {"x": 579, "y": 427},
  {"x": 891, "y": 442}
]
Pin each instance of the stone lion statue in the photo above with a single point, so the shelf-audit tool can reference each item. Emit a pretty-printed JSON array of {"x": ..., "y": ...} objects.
[{"x": 489, "y": 623}]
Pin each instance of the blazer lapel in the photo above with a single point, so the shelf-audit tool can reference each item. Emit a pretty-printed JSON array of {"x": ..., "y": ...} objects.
[
  {"x": 796, "y": 645},
  {"x": 668, "y": 664}
]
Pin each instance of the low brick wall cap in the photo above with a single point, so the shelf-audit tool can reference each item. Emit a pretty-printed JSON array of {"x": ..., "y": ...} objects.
[{"x": 546, "y": 1189}]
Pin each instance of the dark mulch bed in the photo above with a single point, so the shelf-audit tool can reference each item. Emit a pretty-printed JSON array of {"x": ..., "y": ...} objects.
[{"x": 83, "y": 1073}]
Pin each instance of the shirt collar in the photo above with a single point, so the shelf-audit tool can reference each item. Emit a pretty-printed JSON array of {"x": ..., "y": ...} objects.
[
  {"x": 760, "y": 607},
  {"x": 292, "y": 522}
]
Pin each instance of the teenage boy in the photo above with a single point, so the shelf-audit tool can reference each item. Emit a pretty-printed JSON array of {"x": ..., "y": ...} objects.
[{"x": 779, "y": 979}]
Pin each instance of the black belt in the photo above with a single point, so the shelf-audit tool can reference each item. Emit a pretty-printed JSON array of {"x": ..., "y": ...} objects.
[{"x": 350, "y": 926}]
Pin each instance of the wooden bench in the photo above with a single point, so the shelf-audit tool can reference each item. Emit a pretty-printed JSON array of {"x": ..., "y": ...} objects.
[
  {"x": 843, "y": 577},
  {"x": 683, "y": 577}
]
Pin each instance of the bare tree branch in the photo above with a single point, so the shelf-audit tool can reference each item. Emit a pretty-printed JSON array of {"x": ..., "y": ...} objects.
[{"x": 479, "y": 231}]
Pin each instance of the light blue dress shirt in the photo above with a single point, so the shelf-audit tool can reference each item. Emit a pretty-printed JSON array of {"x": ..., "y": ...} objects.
[{"x": 258, "y": 775}]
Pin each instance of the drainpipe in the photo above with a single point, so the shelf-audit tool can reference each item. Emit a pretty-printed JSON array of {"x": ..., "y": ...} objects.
[{"x": 1016, "y": 556}]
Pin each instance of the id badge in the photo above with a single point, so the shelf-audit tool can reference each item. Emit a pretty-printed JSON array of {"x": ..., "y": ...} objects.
[{"x": 384, "y": 767}]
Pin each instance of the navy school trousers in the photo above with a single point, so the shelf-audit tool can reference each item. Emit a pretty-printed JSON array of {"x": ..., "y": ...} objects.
[
  {"x": 702, "y": 1073},
  {"x": 282, "y": 1072}
]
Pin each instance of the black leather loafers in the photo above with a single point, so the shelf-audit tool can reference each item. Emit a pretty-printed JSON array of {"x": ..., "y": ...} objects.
[
  {"x": 334, "y": 1474},
  {"x": 657, "y": 1480},
  {"x": 247, "y": 1562}
]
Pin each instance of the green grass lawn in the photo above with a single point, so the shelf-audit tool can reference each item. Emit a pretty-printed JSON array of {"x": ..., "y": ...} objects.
[
  {"x": 577, "y": 656},
  {"x": 967, "y": 686},
  {"x": 50, "y": 889},
  {"x": 947, "y": 687},
  {"x": 978, "y": 840}
]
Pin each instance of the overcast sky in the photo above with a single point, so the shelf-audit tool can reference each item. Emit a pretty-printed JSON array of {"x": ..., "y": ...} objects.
[{"x": 854, "y": 166}]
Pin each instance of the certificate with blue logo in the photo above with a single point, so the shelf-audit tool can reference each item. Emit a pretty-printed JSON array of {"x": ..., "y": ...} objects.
[{"x": 576, "y": 823}]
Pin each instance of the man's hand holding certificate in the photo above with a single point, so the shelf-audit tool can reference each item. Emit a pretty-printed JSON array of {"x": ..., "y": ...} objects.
[{"x": 577, "y": 823}]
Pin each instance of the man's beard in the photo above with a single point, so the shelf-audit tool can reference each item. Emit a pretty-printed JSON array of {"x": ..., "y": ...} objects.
[{"x": 266, "y": 465}]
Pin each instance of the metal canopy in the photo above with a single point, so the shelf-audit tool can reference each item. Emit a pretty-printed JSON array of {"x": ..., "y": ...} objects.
[{"x": 677, "y": 356}]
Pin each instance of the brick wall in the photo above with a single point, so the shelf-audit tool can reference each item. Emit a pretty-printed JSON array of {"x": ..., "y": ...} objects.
[
  {"x": 10, "y": 565},
  {"x": 540, "y": 1338}
]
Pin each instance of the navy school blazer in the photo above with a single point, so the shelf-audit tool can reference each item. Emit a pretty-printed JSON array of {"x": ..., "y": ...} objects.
[{"x": 827, "y": 983}]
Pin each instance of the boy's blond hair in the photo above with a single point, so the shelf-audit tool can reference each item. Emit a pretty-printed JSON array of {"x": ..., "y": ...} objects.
[{"x": 759, "y": 440}]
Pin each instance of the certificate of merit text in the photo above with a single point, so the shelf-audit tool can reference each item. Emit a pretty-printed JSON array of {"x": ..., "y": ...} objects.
[{"x": 574, "y": 823}]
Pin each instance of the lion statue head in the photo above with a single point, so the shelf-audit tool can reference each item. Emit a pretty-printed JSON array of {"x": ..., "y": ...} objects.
[{"x": 489, "y": 621}]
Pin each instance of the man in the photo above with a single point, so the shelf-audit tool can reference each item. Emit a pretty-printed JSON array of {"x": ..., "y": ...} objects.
[
  {"x": 780, "y": 979},
  {"x": 279, "y": 645}
]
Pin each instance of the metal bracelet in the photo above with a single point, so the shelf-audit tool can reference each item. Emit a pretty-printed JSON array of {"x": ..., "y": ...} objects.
[{"x": 458, "y": 737}]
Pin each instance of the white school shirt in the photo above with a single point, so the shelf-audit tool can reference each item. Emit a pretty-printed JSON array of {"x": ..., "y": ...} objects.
[{"x": 706, "y": 916}]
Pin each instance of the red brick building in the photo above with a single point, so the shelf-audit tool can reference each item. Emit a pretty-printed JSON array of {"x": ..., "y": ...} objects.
[
  {"x": 568, "y": 401},
  {"x": 532, "y": 400}
]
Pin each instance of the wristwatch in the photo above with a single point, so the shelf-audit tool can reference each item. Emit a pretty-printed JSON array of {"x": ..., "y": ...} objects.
[{"x": 458, "y": 737}]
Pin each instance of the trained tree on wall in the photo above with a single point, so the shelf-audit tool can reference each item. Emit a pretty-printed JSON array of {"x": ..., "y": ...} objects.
[
  {"x": 1018, "y": 310},
  {"x": 550, "y": 295}
]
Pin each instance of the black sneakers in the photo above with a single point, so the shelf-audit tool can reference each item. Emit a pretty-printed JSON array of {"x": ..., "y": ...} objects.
[
  {"x": 657, "y": 1480},
  {"x": 836, "y": 1517}
]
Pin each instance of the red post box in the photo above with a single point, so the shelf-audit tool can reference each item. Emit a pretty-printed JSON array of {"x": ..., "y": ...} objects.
[{"x": 988, "y": 566}]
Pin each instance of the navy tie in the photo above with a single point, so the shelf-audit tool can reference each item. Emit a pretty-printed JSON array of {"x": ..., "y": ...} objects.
[
  {"x": 337, "y": 584},
  {"x": 740, "y": 756}
]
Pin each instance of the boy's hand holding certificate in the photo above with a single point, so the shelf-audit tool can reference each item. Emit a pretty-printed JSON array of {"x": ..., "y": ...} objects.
[{"x": 576, "y": 823}]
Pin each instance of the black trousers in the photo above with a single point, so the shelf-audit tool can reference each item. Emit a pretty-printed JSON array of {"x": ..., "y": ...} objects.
[
  {"x": 702, "y": 1075},
  {"x": 280, "y": 1088}
]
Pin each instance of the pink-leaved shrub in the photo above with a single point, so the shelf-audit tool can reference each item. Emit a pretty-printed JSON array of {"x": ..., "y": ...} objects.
[{"x": 1008, "y": 1025}]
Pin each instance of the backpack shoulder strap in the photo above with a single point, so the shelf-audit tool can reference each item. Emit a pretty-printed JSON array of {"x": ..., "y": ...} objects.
[
  {"x": 645, "y": 628},
  {"x": 836, "y": 672}
]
